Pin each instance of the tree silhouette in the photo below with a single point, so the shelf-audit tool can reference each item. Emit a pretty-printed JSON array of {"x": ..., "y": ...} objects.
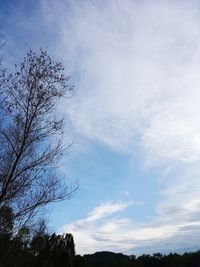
[{"x": 31, "y": 136}]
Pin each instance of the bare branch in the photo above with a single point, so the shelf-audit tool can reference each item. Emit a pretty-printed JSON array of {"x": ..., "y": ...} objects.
[{"x": 31, "y": 130}]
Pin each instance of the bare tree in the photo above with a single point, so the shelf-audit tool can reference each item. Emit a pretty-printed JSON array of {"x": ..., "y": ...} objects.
[{"x": 31, "y": 135}]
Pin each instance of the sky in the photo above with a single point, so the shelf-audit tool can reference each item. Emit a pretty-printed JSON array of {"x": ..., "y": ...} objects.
[{"x": 135, "y": 116}]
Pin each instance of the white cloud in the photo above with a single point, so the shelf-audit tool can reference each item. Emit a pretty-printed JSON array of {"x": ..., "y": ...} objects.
[
  {"x": 164, "y": 233},
  {"x": 88, "y": 238},
  {"x": 137, "y": 69},
  {"x": 138, "y": 74},
  {"x": 106, "y": 209}
]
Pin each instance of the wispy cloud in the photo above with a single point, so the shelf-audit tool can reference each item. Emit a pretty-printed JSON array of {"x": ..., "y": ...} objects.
[
  {"x": 98, "y": 229},
  {"x": 137, "y": 66},
  {"x": 106, "y": 209},
  {"x": 126, "y": 193},
  {"x": 108, "y": 230},
  {"x": 136, "y": 69}
]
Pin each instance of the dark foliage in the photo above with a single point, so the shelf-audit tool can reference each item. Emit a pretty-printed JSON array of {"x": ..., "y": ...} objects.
[
  {"x": 40, "y": 250},
  {"x": 109, "y": 259}
]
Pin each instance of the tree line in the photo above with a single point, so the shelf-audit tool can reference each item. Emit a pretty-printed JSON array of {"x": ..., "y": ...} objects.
[
  {"x": 110, "y": 259},
  {"x": 36, "y": 248}
]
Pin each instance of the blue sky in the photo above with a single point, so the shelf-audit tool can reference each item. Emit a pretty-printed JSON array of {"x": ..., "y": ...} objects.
[{"x": 135, "y": 116}]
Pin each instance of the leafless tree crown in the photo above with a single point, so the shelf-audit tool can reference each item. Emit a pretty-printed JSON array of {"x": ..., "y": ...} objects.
[{"x": 31, "y": 134}]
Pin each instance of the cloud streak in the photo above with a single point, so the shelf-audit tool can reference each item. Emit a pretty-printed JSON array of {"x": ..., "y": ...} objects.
[
  {"x": 137, "y": 66},
  {"x": 109, "y": 230}
]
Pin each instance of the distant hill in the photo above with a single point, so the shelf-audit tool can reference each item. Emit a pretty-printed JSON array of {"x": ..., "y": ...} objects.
[{"x": 107, "y": 259}]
